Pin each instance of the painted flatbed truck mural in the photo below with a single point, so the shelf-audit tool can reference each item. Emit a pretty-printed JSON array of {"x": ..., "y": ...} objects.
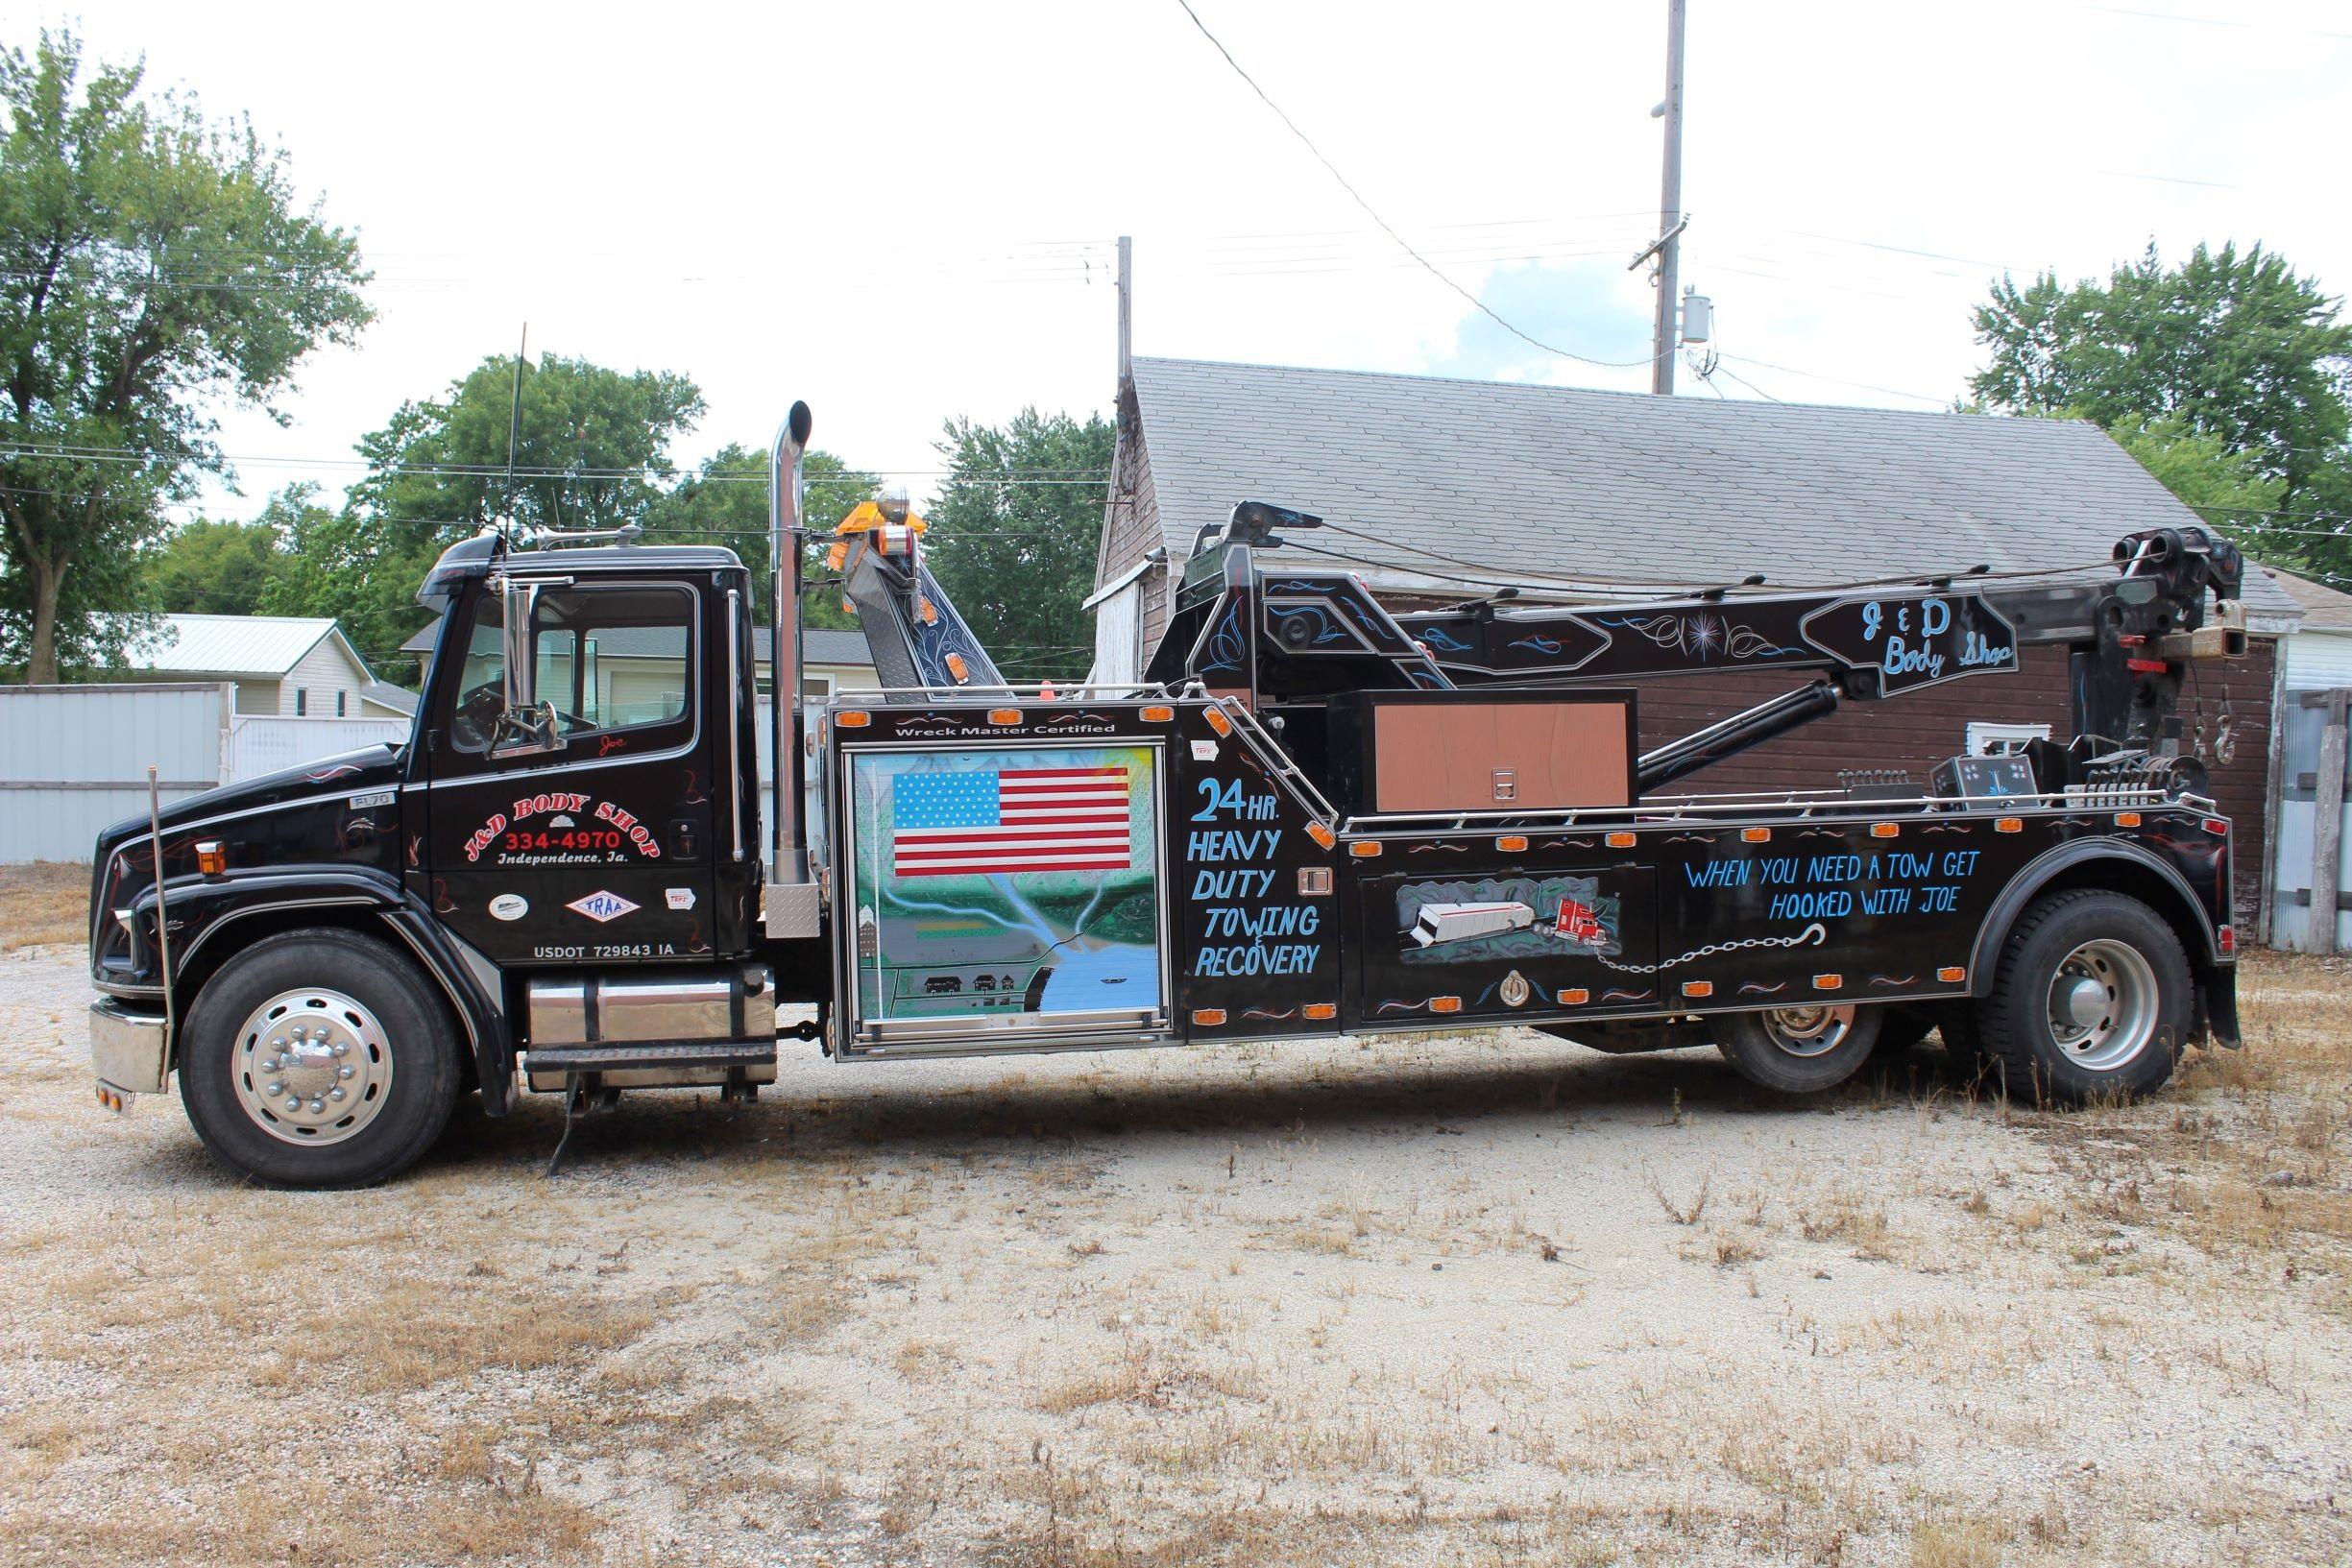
[{"x": 1312, "y": 816}]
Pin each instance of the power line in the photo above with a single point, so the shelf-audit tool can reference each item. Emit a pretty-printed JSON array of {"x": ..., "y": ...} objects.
[
  {"x": 1814, "y": 375},
  {"x": 1386, "y": 226}
]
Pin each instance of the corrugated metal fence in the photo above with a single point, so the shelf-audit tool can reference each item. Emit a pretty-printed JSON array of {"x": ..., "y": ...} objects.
[
  {"x": 74, "y": 758},
  {"x": 256, "y": 744}
]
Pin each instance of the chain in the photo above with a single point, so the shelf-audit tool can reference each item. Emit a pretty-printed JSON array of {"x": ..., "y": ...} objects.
[{"x": 1814, "y": 933}]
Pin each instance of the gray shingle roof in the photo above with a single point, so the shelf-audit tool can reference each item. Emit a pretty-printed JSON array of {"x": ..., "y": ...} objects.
[
  {"x": 2324, "y": 609},
  {"x": 384, "y": 694},
  {"x": 1608, "y": 486}
]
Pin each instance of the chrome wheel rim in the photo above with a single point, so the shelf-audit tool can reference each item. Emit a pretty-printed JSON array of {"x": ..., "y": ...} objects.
[
  {"x": 312, "y": 1067},
  {"x": 2103, "y": 1005},
  {"x": 1808, "y": 1031}
]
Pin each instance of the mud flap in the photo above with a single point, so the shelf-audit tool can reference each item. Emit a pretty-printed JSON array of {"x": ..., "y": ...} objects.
[{"x": 2219, "y": 987}]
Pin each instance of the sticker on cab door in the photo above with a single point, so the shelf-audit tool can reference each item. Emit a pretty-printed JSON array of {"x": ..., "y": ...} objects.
[
  {"x": 509, "y": 907},
  {"x": 601, "y": 906}
]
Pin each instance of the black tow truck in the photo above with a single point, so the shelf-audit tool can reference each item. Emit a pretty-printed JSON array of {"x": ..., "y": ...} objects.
[{"x": 1312, "y": 816}]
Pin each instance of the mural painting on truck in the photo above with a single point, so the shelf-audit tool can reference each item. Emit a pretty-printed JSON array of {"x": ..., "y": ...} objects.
[{"x": 1006, "y": 882}]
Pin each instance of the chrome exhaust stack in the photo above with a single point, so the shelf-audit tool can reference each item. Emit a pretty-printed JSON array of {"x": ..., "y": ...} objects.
[{"x": 789, "y": 908}]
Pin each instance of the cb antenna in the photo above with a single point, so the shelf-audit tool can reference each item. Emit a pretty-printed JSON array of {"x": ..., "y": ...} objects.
[{"x": 514, "y": 425}]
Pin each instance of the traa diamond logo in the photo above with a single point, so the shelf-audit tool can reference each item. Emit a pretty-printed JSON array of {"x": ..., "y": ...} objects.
[{"x": 601, "y": 906}]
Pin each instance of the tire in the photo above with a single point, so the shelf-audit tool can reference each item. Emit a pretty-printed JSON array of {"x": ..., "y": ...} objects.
[
  {"x": 1799, "y": 1050},
  {"x": 2070, "y": 957},
  {"x": 1900, "y": 1028},
  {"x": 1963, "y": 1041},
  {"x": 365, "y": 1069}
]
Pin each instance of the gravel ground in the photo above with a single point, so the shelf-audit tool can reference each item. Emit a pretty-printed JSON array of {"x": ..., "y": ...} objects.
[{"x": 1490, "y": 1299}]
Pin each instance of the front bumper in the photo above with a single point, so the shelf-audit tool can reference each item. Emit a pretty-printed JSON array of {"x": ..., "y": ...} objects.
[{"x": 131, "y": 1052}]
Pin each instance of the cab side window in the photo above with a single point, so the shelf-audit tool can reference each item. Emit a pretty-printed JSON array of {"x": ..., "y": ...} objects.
[{"x": 607, "y": 659}]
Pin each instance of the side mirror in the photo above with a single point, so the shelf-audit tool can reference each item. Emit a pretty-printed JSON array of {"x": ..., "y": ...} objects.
[{"x": 525, "y": 727}]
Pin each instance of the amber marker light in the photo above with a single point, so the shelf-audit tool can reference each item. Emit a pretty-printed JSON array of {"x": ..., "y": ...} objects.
[
  {"x": 1003, "y": 715},
  {"x": 1620, "y": 841},
  {"x": 2009, "y": 825},
  {"x": 1321, "y": 1010},
  {"x": 1208, "y": 1018},
  {"x": 1576, "y": 998},
  {"x": 212, "y": 856},
  {"x": 2128, "y": 819},
  {"x": 1953, "y": 976},
  {"x": 956, "y": 668},
  {"x": 1446, "y": 1004},
  {"x": 1698, "y": 988},
  {"x": 1158, "y": 715},
  {"x": 1756, "y": 835},
  {"x": 1828, "y": 982},
  {"x": 1885, "y": 829},
  {"x": 1217, "y": 720},
  {"x": 1365, "y": 850},
  {"x": 1512, "y": 843},
  {"x": 852, "y": 719},
  {"x": 1321, "y": 833}
]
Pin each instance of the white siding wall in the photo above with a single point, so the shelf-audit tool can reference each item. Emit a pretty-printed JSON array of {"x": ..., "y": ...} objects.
[
  {"x": 257, "y": 696},
  {"x": 2317, "y": 661},
  {"x": 845, "y": 676},
  {"x": 323, "y": 671}
]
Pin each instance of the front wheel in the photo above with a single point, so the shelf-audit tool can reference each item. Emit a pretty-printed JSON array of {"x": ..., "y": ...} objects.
[
  {"x": 2091, "y": 998},
  {"x": 1799, "y": 1050},
  {"x": 318, "y": 1059}
]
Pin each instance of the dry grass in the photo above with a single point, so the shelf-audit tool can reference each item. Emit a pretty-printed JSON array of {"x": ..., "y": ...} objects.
[
  {"x": 43, "y": 902},
  {"x": 1439, "y": 1306},
  {"x": 2248, "y": 1157}
]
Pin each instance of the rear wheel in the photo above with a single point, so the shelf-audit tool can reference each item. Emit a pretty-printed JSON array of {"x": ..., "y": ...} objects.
[
  {"x": 2091, "y": 998},
  {"x": 1900, "y": 1028},
  {"x": 1799, "y": 1050},
  {"x": 318, "y": 1059}
]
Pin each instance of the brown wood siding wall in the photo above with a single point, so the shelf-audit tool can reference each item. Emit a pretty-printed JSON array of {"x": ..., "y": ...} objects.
[
  {"x": 1130, "y": 528},
  {"x": 1920, "y": 729}
]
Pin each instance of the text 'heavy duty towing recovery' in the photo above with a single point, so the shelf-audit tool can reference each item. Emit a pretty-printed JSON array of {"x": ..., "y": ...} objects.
[{"x": 1313, "y": 817}]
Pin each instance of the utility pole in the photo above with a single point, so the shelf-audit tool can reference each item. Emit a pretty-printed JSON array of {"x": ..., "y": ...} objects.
[
  {"x": 1669, "y": 211},
  {"x": 1127, "y": 306}
]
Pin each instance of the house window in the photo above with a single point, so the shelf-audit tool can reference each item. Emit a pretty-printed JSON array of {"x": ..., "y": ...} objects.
[
  {"x": 1987, "y": 737},
  {"x": 302, "y": 701},
  {"x": 340, "y": 711}
]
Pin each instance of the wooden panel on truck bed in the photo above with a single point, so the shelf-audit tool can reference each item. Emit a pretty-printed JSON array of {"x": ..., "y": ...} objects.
[{"x": 1441, "y": 752}]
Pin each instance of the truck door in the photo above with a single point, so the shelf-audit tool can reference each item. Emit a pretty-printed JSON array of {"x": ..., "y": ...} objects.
[{"x": 592, "y": 843}]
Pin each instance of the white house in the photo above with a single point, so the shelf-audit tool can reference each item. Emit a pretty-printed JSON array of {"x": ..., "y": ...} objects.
[{"x": 295, "y": 666}]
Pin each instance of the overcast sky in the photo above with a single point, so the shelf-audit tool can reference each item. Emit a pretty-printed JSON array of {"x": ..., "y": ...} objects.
[{"x": 904, "y": 212}]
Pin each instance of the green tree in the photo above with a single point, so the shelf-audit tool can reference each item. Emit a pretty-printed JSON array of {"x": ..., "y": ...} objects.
[
  {"x": 340, "y": 564},
  {"x": 592, "y": 452},
  {"x": 210, "y": 568},
  {"x": 151, "y": 267},
  {"x": 1014, "y": 531},
  {"x": 2235, "y": 348},
  {"x": 2226, "y": 487},
  {"x": 725, "y": 503}
]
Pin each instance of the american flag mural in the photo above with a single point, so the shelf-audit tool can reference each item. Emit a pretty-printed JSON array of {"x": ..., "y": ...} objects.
[{"x": 979, "y": 823}]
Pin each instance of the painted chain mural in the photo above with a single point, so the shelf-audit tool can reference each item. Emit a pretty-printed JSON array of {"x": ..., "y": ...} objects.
[{"x": 998, "y": 882}]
